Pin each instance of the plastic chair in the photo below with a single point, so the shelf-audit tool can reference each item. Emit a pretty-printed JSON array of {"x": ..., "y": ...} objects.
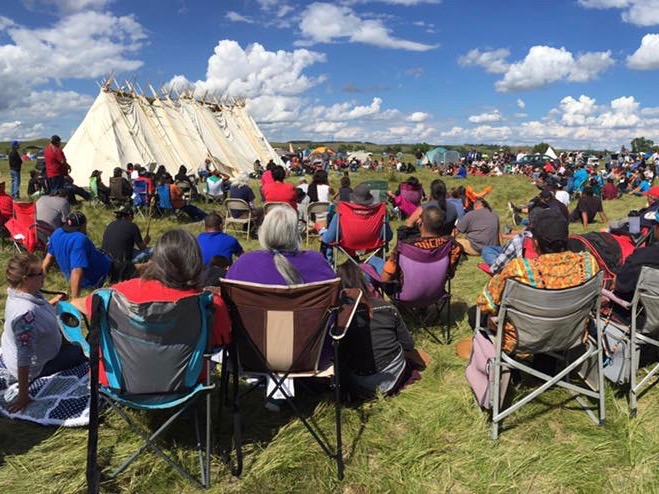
[
  {"x": 153, "y": 356},
  {"x": 245, "y": 218},
  {"x": 549, "y": 322},
  {"x": 360, "y": 230},
  {"x": 281, "y": 331},
  {"x": 141, "y": 196}
]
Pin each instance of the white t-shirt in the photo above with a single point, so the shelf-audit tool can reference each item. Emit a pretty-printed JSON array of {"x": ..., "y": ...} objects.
[
  {"x": 214, "y": 187},
  {"x": 323, "y": 192},
  {"x": 562, "y": 196}
]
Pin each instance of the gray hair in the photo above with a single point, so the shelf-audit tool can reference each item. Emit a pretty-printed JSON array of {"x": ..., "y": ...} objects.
[
  {"x": 241, "y": 180},
  {"x": 278, "y": 234}
]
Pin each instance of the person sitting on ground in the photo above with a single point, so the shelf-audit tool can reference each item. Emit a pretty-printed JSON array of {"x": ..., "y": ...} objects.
[
  {"x": 610, "y": 191},
  {"x": 344, "y": 190},
  {"x": 32, "y": 345},
  {"x": 174, "y": 272},
  {"x": 437, "y": 198},
  {"x": 35, "y": 185},
  {"x": 379, "y": 351},
  {"x": 81, "y": 263},
  {"x": 431, "y": 225},
  {"x": 121, "y": 190},
  {"x": 554, "y": 268},
  {"x": 408, "y": 196},
  {"x": 178, "y": 202},
  {"x": 214, "y": 242},
  {"x": 278, "y": 190},
  {"x": 545, "y": 199},
  {"x": 120, "y": 238},
  {"x": 478, "y": 228},
  {"x": 587, "y": 208},
  {"x": 642, "y": 187},
  {"x": 281, "y": 262},
  {"x": 457, "y": 199},
  {"x": 102, "y": 190}
]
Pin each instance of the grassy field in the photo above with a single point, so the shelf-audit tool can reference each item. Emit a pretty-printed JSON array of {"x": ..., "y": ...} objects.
[{"x": 430, "y": 438}]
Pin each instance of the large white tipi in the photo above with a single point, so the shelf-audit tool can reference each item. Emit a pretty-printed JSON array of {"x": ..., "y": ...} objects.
[{"x": 126, "y": 127}]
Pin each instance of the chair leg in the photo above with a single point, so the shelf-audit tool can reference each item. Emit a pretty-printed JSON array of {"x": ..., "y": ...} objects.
[
  {"x": 633, "y": 367},
  {"x": 337, "y": 404}
]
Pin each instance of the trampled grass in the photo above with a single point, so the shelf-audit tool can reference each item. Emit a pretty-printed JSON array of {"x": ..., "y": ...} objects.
[{"x": 430, "y": 438}]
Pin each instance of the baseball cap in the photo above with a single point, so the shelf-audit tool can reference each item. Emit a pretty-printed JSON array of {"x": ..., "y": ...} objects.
[
  {"x": 15, "y": 144},
  {"x": 550, "y": 225},
  {"x": 74, "y": 221},
  {"x": 652, "y": 191}
]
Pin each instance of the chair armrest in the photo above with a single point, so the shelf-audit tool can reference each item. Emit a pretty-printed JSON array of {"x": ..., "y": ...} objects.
[
  {"x": 70, "y": 319},
  {"x": 614, "y": 298},
  {"x": 346, "y": 312}
]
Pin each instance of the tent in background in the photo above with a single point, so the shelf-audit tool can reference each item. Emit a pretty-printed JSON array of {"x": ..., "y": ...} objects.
[
  {"x": 435, "y": 156},
  {"x": 551, "y": 153},
  {"x": 122, "y": 128}
]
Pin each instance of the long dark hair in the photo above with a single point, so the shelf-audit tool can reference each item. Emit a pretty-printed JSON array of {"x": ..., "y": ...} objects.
[
  {"x": 176, "y": 261},
  {"x": 352, "y": 277},
  {"x": 319, "y": 178}
]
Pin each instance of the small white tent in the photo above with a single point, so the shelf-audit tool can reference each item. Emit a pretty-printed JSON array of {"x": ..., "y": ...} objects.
[
  {"x": 122, "y": 128},
  {"x": 551, "y": 153}
]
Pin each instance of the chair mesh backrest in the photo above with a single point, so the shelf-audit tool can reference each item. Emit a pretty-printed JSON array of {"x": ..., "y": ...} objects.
[
  {"x": 285, "y": 326},
  {"x": 154, "y": 347},
  {"x": 164, "y": 199},
  {"x": 140, "y": 187},
  {"x": 424, "y": 273},
  {"x": 647, "y": 293},
  {"x": 361, "y": 227},
  {"x": 549, "y": 320},
  {"x": 93, "y": 186}
]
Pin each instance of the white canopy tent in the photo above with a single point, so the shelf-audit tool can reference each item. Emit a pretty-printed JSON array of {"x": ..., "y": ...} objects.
[
  {"x": 122, "y": 128},
  {"x": 551, "y": 153}
]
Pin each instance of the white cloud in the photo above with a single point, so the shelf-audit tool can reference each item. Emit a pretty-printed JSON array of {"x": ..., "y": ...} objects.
[
  {"x": 234, "y": 16},
  {"x": 544, "y": 65},
  {"x": 67, "y": 6},
  {"x": 418, "y": 116},
  {"x": 395, "y": 2},
  {"x": 415, "y": 72},
  {"x": 637, "y": 12},
  {"x": 327, "y": 23},
  {"x": 493, "y": 61},
  {"x": 577, "y": 112},
  {"x": 646, "y": 57},
  {"x": 623, "y": 114},
  {"x": 494, "y": 116},
  {"x": 521, "y": 104}
]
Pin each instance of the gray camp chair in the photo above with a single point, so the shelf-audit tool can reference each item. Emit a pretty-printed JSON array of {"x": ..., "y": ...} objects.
[
  {"x": 623, "y": 343},
  {"x": 550, "y": 322}
]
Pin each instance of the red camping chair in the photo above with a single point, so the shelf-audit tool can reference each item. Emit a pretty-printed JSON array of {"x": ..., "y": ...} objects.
[
  {"x": 23, "y": 228},
  {"x": 360, "y": 230}
]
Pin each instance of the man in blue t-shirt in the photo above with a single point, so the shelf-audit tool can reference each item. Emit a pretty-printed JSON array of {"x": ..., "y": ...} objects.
[
  {"x": 77, "y": 257},
  {"x": 214, "y": 242}
]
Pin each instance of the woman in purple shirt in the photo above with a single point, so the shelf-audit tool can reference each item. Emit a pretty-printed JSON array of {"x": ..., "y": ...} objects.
[{"x": 281, "y": 262}]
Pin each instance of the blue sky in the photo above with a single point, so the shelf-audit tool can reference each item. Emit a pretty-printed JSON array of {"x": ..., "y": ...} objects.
[{"x": 574, "y": 73}]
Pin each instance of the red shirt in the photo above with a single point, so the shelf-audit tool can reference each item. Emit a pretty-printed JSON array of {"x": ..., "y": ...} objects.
[
  {"x": 6, "y": 207},
  {"x": 280, "y": 192},
  {"x": 266, "y": 178},
  {"x": 55, "y": 161}
]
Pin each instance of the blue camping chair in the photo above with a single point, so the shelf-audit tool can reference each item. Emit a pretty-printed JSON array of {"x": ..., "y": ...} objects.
[
  {"x": 153, "y": 355},
  {"x": 141, "y": 198},
  {"x": 164, "y": 200}
]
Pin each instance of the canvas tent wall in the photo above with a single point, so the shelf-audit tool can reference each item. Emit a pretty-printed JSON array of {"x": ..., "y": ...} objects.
[{"x": 122, "y": 128}]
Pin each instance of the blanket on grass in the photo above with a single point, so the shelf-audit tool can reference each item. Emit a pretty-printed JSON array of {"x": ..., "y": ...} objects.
[{"x": 61, "y": 399}]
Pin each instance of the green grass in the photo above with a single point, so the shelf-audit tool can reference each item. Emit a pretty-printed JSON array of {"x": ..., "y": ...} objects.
[{"x": 430, "y": 438}]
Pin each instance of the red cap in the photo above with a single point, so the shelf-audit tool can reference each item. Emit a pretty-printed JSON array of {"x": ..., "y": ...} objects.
[{"x": 652, "y": 191}]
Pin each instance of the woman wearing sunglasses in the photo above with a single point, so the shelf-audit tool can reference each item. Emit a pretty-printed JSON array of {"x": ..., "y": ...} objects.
[{"x": 32, "y": 345}]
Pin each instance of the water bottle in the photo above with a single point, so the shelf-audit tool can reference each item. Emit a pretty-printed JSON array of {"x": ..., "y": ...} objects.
[{"x": 634, "y": 219}]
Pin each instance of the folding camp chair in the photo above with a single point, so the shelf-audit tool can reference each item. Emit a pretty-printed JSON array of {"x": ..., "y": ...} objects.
[
  {"x": 281, "y": 331},
  {"x": 24, "y": 230},
  {"x": 141, "y": 196},
  {"x": 314, "y": 210},
  {"x": 623, "y": 343},
  {"x": 552, "y": 322},
  {"x": 425, "y": 284},
  {"x": 93, "y": 192},
  {"x": 164, "y": 200},
  {"x": 378, "y": 189},
  {"x": 245, "y": 218},
  {"x": 153, "y": 356},
  {"x": 360, "y": 230}
]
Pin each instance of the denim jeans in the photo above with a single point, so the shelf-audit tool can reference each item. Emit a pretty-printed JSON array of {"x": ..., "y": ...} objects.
[
  {"x": 15, "y": 183},
  {"x": 490, "y": 253}
]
